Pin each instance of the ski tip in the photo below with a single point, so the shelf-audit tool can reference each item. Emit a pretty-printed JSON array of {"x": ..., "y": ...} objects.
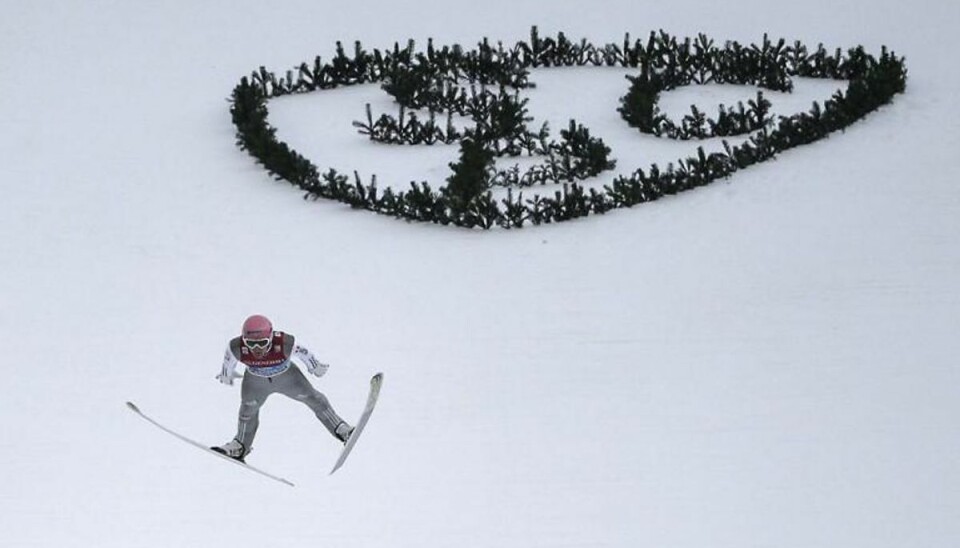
[{"x": 133, "y": 407}]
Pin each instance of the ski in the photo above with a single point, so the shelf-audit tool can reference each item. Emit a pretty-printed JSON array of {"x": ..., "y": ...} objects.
[
  {"x": 198, "y": 445},
  {"x": 372, "y": 397}
]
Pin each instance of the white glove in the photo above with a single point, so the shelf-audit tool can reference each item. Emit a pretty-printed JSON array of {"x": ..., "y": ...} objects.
[
  {"x": 227, "y": 378},
  {"x": 314, "y": 366}
]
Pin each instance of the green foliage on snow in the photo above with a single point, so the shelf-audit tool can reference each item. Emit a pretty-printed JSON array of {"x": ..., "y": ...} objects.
[{"x": 483, "y": 86}]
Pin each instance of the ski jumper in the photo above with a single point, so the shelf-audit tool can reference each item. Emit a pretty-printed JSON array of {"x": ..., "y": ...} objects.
[{"x": 273, "y": 373}]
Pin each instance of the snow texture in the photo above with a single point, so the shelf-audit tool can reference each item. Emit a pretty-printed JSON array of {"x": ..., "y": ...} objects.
[{"x": 768, "y": 361}]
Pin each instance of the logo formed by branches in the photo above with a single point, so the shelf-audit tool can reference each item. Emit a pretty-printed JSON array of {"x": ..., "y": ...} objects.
[{"x": 484, "y": 84}]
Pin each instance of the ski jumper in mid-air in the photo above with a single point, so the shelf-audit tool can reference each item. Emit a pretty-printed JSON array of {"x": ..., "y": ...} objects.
[{"x": 268, "y": 354}]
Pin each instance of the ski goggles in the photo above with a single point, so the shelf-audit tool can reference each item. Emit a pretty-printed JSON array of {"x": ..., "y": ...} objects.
[{"x": 257, "y": 343}]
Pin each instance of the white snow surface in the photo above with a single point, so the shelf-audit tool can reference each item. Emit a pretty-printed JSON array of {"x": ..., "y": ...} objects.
[{"x": 768, "y": 361}]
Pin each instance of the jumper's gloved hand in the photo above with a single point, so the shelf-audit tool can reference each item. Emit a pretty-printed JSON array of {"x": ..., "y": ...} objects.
[
  {"x": 314, "y": 366},
  {"x": 227, "y": 378}
]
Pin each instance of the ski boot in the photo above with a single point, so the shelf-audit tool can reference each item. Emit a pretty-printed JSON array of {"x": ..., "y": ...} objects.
[
  {"x": 233, "y": 449},
  {"x": 343, "y": 432}
]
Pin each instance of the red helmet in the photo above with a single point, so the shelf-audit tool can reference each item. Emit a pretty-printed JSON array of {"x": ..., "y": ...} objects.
[{"x": 257, "y": 327}]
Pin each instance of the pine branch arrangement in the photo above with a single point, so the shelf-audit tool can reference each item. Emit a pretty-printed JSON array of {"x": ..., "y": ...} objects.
[{"x": 434, "y": 80}]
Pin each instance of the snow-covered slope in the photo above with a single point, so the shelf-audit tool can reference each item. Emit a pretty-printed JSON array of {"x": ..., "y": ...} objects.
[{"x": 769, "y": 361}]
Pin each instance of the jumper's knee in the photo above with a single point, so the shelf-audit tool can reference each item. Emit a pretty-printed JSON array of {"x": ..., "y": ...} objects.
[
  {"x": 312, "y": 398},
  {"x": 249, "y": 409}
]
